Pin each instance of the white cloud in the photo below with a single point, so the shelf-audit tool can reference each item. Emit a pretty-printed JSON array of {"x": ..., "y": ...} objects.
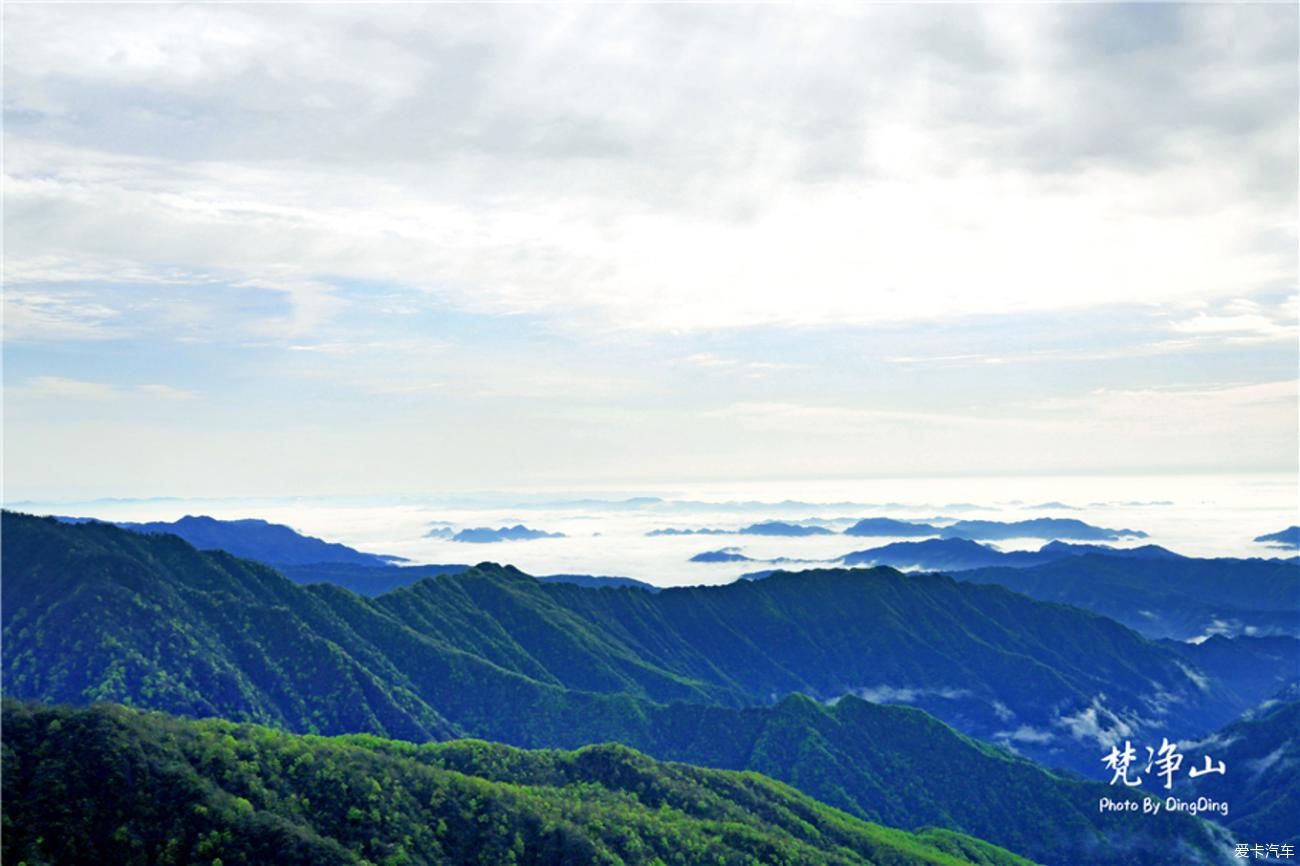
[
  {"x": 1213, "y": 404},
  {"x": 782, "y": 169},
  {"x": 814, "y": 258},
  {"x": 166, "y": 392},
  {"x": 1245, "y": 320},
  {"x": 753, "y": 369},
  {"x": 886, "y": 694},
  {"x": 58, "y": 387},
  {"x": 78, "y": 390},
  {"x": 184, "y": 49},
  {"x": 45, "y": 315},
  {"x": 1096, "y": 722},
  {"x": 1260, "y": 765},
  {"x": 1202, "y": 682},
  {"x": 304, "y": 207},
  {"x": 708, "y": 359},
  {"x": 1213, "y": 741},
  {"x": 1025, "y": 734},
  {"x": 841, "y": 420}
]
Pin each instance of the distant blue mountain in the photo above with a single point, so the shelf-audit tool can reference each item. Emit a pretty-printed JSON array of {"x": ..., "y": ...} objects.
[
  {"x": 271, "y": 543},
  {"x": 950, "y": 554},
  {"x": 936, "y": 554},
  {"x": 726, "y": 554},
  {"x": 991, "y": 530},
  {"x": 962, "y": 554},
  {"x": 1286, "y": 539},
  {"x": 777, "y": 527},
  {"x": 487, "y": 535},
  {"x": 889, "y": 527},
  {"x": 1038, "y": 527},
  {"x": 1146, "y": 551},
  {"x": 1149, "y": 589}
]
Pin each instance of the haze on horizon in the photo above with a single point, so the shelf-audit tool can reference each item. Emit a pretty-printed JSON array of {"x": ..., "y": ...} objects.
[{"x": 260, "y": 249}]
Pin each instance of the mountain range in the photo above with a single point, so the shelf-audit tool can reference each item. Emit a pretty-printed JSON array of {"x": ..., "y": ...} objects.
[
  {"x": 488, "y": 535},
  {"x": 683, "y": 674},
  {"x": 948, "y": 555},
  {"x": 872, "y": 527},
  {"x": 304, "y": 559},
  {"x": 1179, "y": 598},
  {"x": 987, "y": 660},
  {"x": 778, "y": 527},
  {"x": 1038, "y": 527},
  {"x": 256, "y": 539},
  {"x": 962, "y": 554},
  {"x": 1047, "y": 528}
]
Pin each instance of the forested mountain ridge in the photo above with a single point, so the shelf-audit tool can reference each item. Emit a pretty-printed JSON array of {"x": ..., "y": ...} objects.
[
  {"x": 112, "y": 785},
  {"x": 253, "y": 538},
  {"x": 94, "y": 613},
  {"x": 402, "y": 664}
]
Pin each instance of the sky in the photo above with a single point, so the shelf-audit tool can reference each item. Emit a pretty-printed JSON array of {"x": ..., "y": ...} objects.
[{"x": 257, "y": 249}]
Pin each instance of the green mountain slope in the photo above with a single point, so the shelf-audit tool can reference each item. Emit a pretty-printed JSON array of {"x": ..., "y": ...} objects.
[{"x": 111, "y": 785}]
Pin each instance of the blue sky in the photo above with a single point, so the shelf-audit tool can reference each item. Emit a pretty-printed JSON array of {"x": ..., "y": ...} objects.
[{"x": 259, "y": 249}]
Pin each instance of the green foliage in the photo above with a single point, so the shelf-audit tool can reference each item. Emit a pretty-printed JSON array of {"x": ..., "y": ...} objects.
[{"x": 114, "y": 785}]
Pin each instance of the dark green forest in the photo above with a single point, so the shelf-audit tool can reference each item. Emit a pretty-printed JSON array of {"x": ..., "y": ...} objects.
[{"x": 114, "y": 785}]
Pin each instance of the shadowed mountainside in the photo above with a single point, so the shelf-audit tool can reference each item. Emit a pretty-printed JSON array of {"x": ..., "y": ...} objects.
[{"x": 1173, "y": 598}]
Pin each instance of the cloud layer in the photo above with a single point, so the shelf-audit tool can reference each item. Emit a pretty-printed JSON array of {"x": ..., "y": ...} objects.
[
  {"x": 663, "y": 168},
  {"x": 619, "y": 241}
]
